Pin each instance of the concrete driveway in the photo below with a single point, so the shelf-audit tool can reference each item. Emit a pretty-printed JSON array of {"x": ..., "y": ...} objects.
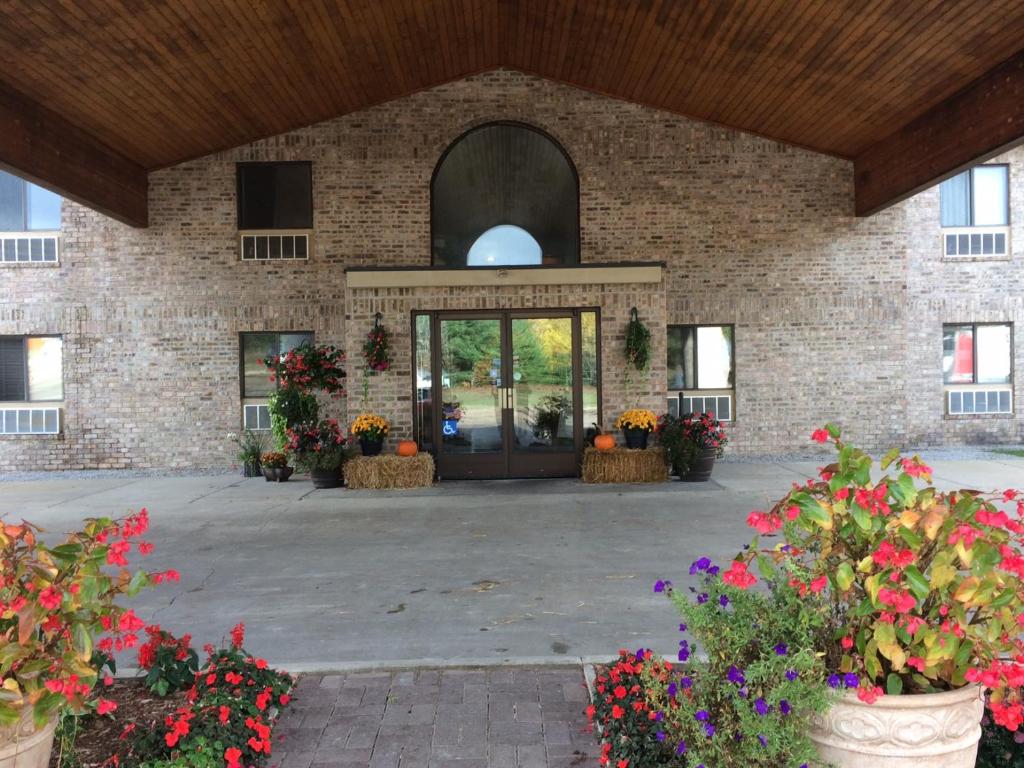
[{"x": 464, "y": 573}]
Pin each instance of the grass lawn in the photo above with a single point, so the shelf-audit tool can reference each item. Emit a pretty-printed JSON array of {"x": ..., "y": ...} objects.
[{"x": 1011, "y": 451}]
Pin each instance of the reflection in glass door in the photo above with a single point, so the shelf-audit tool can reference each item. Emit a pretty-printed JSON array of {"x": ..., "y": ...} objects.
[{"x": 506, "y": 394}]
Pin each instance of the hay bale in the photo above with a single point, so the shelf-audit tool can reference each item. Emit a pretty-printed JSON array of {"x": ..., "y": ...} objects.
[
  {"x": 623, "y": 465},
  {"x": 390, "y": 471}
]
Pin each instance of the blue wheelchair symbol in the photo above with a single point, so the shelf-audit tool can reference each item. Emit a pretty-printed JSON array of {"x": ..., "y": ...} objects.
[{"x": 450, "y": 427}]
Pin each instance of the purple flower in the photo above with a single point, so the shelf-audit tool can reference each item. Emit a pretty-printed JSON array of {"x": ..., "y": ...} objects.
[
  {"x": 659, "y": 716},
  {"x": 681, "y": 748},
  {"x": 660, "y": 735},
  {"x": 639, "y": 654},
  {"x": 781, "y": 649},
  {"x": 784, "y": 707},
  {"x": 761, "y": 707},
  {"x": 713, "y": 570},
  {"x": 763, "y": 740},
  {"x": 743, "y": 692},
  {"x": 682, "y": 627},
  {"x": 686, "y": 683},
  {"x": 701, "y": 716},
  {"x": 791, "y": 675},
  {"x": 659, "y": 586},
  {"x": 735, "y": 675},
  {"x": 723, "y": 601},
  {"x": 671, "y": 691},
  {"x": 833, "y": 681},
  {"x": 702, "y": 598},
  {"x": 709, "y": 729},
  {"x": 851, "y": 680},
  {"x": 700, "y": 565}
]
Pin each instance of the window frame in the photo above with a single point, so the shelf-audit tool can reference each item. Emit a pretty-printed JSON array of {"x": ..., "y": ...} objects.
[
  {"x": 275, "y": 230},
  {"x": 241, "y": 360},
  {"x": 696, "y": 368},
  {"x": 25, "y": 214},
  {"x": 24, "y": 356},
  {"x": 974, "y": 355},
  {"x": 970, "y": 198},
  {"x": 578, "y": 256}
]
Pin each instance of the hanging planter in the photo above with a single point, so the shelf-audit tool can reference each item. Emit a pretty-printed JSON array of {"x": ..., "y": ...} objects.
[
  {"x": 377, "y": 347},
  {"x": 638, "y": 342}
]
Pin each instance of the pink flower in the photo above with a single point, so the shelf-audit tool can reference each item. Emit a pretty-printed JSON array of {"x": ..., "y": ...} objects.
[
  {"x": 820, "y": 435},
  {"x": 738, "y": 576},
  {"x": 50, "y": 598},
  {"x": 105, "y": 706},
  {"x": 819, "y": 584}
]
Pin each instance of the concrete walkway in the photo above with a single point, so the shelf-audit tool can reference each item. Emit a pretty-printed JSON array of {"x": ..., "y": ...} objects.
[
  {"x": 438, "y": 718},
  {"x": 466, "y": 574}
]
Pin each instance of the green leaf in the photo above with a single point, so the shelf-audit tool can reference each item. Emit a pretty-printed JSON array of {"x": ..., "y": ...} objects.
[
  {"x": 891, "y": 455},
  {"x": 861, "y": 516},
  {"x": 9, "y": 714},
  {"x": 912, "y": 539},
  {"x": 81, "y": 641},
  {"x": 139, "y": 580},
  {"x": 844, "y": 576},
  {"x": 833, "y": 430},
  {"x": 816, "y": 513},
  {"x": 893, "y": 684},
  {"x": 918, "y": 583}
]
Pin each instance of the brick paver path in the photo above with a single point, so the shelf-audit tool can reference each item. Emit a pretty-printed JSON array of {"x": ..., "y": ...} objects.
[{"x": 451, "y": 718}]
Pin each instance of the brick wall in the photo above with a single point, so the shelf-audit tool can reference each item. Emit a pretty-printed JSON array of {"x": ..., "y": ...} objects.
[{"x": 836, "y": 317}]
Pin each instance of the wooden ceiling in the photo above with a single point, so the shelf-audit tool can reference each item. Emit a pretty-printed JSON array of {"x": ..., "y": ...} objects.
[{"x": 161, "y": 82}]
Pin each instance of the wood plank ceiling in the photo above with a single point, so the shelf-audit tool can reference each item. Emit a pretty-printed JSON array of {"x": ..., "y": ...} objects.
[{"x": 162, "y": 82}]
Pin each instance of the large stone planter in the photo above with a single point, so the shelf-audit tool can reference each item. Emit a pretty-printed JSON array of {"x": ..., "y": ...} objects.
[
  {"x": 935, "y": 730},
  {"x": 22, "y": 746}
]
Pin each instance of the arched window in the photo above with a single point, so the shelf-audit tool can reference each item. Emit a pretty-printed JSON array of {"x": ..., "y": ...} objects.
[{"x": 504, "y": 194}]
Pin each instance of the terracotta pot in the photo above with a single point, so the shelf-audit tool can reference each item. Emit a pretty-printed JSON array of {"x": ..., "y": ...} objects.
[
  {"x": 407, "y": 448},
  {"x": 700, "y": 470},
  {"x": 22, "y": 746},
  {"x": 277, "y": 474},
  {"x": 326, "y": 478},
  {"x": 604, "y": 442},
  {"x": 636, "y": 438},
  {"x": 370, "y": 447},
  {"x": 933, "y": 730}
]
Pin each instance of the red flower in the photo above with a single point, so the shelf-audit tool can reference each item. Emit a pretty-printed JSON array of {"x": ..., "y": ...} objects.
[
  {"x": 617, "y": 711},
  {"x": 620, "y": 692},
  {"x": 820, "y": 436},
  {"x": 50, "y": 598},
  {"x": 231, "y": 756},
  {"x": 105, "y": 706},
  {"x": 238, "y": 635},
  {"x": 738, "y": 576}
]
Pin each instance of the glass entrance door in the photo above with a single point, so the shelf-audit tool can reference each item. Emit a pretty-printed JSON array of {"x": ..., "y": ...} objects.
[{"x": 506, "y": 394}]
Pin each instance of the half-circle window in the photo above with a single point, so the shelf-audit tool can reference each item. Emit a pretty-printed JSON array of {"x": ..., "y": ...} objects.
[
  {"x": 504, "y": 194},
  {"x": 505, "y": 244}
]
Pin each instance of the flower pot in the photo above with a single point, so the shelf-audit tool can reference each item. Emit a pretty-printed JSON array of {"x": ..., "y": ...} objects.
[
  {"x": 932, "y": 730},
  {"x": 326, "y": 478},
  {"x": 251, "y": 469},
  {"x": 700, "y": 470},
  {"x": 22, "y": 746},
  {"x": 370, "y": 447},
  {"x": 277, "y": 474},
  {"x": 636, "y": 438}
]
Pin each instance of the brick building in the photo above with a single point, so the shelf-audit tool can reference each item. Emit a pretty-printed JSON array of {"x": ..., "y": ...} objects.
[{"x": 806, "y": 312}]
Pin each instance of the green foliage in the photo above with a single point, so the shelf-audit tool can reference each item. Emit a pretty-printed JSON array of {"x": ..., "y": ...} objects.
[
  {"x": 288, "y": 408},
  {"x": 251, "y": 446},
  {"x": 1000, "y": 748},
  {"x": 69, "y": 725},
  {"x": 761, "y": 681},
  {"x": 638, "y": 343},
  {"x": 549, "y": 413},
  {"x": 170, "y": 663}
]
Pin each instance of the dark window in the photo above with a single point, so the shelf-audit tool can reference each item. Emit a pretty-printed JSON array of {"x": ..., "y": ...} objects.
[
  {"x": 977, "y": 353},
  {"x": 275, "y": 195},
  {"x": 504, "y": 194},
  {"x": 978, "y": 197},
  {"x": 700, "y": 357},
  {"x": 25, "y": 207},
  {"x": 31, "y": 368},
  {"x": 256, "y": 346}
]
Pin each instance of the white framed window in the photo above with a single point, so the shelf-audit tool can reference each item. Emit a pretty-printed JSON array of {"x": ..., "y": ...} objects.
[
  {"x": 701, "y": 376},
  {"x": 254, "y": 378},
  {"x": 31, "y": 385},
  {"x": 30, "y": 421},
  {"x": 974, "y": 211},
  {"x": 255, "y": 417},
  {"x": 977, "y": 368},
  {"x": 29, "y": 221}
]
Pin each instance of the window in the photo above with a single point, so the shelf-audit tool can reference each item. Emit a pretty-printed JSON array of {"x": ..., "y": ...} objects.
[
  {"x": 255, "y": 378},
  {"x": 31, "y": 369},
  {"x": 700, "y": 369},
  {"x": 977, "y": 367},
  {"x": 275, "y": 210},
  {"x": 504, "y": 194},
  {"x": 977, "y": 198},
  {"x": 29, "y": 219}
]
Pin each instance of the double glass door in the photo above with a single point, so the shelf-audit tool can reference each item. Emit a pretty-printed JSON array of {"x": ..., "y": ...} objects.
[{"x": 506, "y": 394}]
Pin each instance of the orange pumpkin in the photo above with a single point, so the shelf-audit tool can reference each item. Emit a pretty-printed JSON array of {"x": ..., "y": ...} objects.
[
  {"x": 604, "y": 442},
  {"x": 407, "y": 448}
]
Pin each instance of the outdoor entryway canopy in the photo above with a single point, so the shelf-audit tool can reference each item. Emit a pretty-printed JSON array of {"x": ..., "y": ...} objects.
[{"x": 95, "y": 94}]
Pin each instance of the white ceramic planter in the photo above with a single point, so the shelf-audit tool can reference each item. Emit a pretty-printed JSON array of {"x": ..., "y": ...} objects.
[
  {"x": 22, "y": 746},
  {"x": 934, "y": 730}
]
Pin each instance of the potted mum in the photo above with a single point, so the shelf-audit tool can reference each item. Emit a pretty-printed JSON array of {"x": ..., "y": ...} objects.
[
  {"x": 54, "y": 601},
  {"x": 320, "y": 449},
  {"x": 692, "y": 442},
  {"x": 636, "y": 425},
  {"x": 925, "y": 590},
  {"x": 275, "y": 467},
  {"x": 371, "y": 430}
]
